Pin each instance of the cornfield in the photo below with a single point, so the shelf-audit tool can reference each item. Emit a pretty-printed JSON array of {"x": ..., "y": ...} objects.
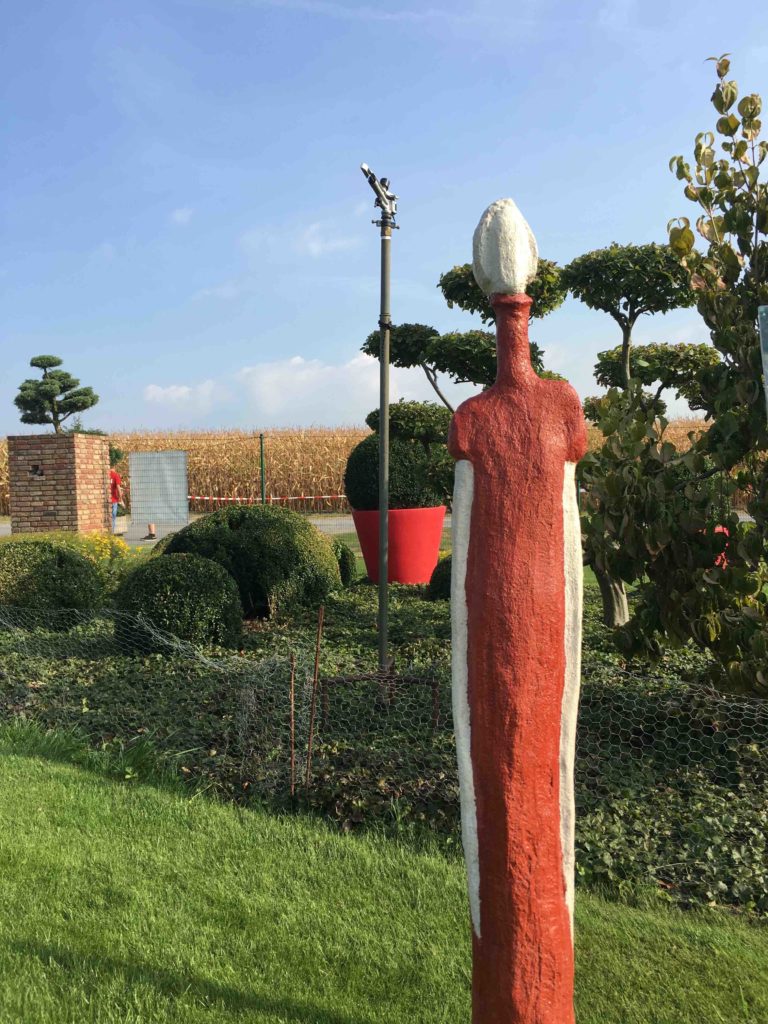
[{"x": 225, "y": 464}]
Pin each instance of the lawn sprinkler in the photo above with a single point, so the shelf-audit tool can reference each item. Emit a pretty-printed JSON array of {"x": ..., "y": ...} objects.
[{"x": 386, "y": 202}]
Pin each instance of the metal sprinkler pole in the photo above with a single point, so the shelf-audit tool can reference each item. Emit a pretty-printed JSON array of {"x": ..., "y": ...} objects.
[{"x": 386, "y": 201}]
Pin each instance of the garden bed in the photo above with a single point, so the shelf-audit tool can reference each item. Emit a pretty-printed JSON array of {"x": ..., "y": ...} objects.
[{"x": 670, "y": 780}]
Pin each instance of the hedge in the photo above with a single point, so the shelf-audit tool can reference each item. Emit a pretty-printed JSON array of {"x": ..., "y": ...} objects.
[{"x": 279, "y": 561}]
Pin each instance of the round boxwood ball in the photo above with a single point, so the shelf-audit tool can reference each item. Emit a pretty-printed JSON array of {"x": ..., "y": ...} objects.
[
  {"x": 278, "y": 560},
  {"x": 186, "y": 595},
  {"x": 43, "y": 575},
  {"x": 439, "y": 586},
  {"x": 409, "y": 485},
  {"x": 345, "y": 557}
]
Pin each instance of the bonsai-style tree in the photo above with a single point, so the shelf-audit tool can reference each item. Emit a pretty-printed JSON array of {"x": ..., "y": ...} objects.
[
  {"x": 468, "y": 356},
  {"x": 680, "y": 368},
  {"x": 55, "y": 397},
  {"x": 627, "y": 282}
]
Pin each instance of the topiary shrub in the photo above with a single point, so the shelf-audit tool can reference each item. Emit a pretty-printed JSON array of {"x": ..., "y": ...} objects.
[
  {"x": 346, "y": 560},
  {"x": 162, "y": 545},
  {"x": 107, "y": 552},
  {"x": 409, "y": 484},
  {"x": 45, "y": 575},
  {"x": 186, "y": 595},
  {"x": 278, "y": 560},
  {"x": 439, "y": 586}
]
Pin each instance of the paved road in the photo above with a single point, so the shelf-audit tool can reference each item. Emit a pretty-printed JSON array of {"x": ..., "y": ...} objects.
[{"x": 136, "y": 536}]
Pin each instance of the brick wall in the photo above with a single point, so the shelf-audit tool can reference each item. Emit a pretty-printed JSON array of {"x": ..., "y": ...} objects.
[{"x": 59, "y": 482}]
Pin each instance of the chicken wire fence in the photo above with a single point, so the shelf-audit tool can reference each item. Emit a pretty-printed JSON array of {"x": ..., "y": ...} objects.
[{"x": 671, "y": 780}]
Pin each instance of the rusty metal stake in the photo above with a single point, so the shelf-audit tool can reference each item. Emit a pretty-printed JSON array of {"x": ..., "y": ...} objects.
[{"x": 315, "y": 679}]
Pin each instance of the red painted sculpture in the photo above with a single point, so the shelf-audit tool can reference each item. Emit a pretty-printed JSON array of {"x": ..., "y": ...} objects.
[{"x": 516, "y": 609}]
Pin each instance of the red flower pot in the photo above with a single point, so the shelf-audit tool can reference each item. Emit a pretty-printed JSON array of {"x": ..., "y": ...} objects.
[{"x": 414, "y": 542}]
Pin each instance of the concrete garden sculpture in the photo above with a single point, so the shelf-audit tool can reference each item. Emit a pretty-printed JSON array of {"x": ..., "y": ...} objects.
[{"x": 516, "y": 620}]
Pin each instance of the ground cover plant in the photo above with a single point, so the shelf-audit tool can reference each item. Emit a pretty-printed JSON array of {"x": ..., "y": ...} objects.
[
  {"x": 670, "y": 778},
  {"x": 182, "y": 910}
]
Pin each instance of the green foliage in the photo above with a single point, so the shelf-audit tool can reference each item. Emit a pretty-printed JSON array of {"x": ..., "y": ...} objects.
[
  {"x": 55, "y": 397},
  {"x": 109, "y": 554},
  {"x": 627, "y": 281},
  {"x": 439, "y": 586},
  {"x": 460, "y": 289},
  {"x": 680, "y": 368},
  {"x": 409, "y": 344},
  {"x": 409, "y": 475},
  {"x": 670, "y": 782},
  {"x": 655, "y": 502},
  {"x": 347, "y": 562},
  {"x": 278, "y": 559},
  {"x": 466, "y": 356},
  {"x": 115, "y": 454},
  {"x": 43, "y": 574},
  {"x": 161, "y": 546},
  {"x": 186, "y": 595},
  {"x": 426, "y": 422}
]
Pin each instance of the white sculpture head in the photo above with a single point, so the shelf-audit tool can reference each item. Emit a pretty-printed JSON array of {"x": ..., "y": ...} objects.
[{"x": 504, "y": 251}]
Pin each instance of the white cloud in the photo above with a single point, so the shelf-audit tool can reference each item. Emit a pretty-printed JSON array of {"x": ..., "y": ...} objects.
[
  {"x": 182, "y": 216},
  {"x": 319, "y": 239},
  {"x": 197, "y": 398},
  {"x": 293, "y": 392}
]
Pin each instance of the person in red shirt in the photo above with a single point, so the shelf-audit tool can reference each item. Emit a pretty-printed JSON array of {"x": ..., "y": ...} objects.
[{"x": 115, "y": 495}]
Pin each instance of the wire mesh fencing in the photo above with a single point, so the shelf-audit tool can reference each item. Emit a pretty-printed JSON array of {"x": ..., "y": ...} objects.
[{"x": 671, "y": 780}]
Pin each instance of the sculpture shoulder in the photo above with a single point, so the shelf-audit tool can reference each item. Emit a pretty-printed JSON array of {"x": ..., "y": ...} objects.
[
  {"x": 568, "y": 405},
  {"x": 463, "y": 427}
]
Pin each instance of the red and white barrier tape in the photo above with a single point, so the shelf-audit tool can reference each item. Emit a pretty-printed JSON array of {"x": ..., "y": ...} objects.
[{"x": 270, "y": 499}]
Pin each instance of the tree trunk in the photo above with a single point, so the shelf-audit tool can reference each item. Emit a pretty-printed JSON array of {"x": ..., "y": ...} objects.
[
  {"x": 626, "y": 354},
  {"x": 615, "y": 608}
]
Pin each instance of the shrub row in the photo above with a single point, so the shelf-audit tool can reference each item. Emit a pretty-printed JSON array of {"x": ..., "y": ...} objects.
[{"x": 257, "y": 561}]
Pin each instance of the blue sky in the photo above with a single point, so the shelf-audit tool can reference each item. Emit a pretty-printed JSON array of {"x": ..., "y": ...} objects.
[{"x": 184, "y": 220}]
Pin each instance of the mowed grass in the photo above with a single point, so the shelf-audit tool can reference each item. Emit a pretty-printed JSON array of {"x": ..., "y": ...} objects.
[{"x": 125, "y": 902}]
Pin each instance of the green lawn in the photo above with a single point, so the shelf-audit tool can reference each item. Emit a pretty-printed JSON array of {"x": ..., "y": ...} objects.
[{"x": 129, "y": 903}]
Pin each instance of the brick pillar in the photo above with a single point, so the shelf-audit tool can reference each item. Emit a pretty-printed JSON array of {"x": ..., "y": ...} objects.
[{"x": 59, "y": 482}]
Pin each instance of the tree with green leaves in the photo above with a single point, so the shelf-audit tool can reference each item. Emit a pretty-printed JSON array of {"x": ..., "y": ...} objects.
[
  {"x": 627, "y": 282},
  {"x": 683, "y": 369},
  {"x": 468, "y": 356},
  {"x": 655, "y": 524},
  {"x": 425, "y": 424},
  {"x": 55, "y": 397}
]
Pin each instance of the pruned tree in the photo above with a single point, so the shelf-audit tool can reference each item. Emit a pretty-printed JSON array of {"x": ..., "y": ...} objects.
[
  {"x": 53, "y": 398},
  {"x": 627, "y": 282},
  {"x": 466, "y": 356},
  {"x": 683, "y": 369}
]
